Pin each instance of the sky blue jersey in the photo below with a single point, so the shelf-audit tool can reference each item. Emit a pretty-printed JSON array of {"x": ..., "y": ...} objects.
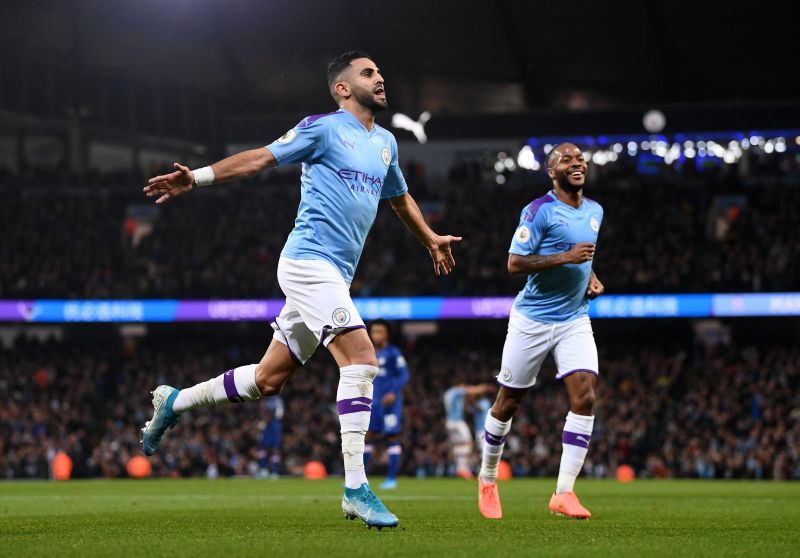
[
  {"x": 479, "y": 411},
  {"x": 548, "y": 226},
  {"x": 392, "y": 372},
  {"x": 346, "y": 171},
  {"x": 454, "y": 403}
]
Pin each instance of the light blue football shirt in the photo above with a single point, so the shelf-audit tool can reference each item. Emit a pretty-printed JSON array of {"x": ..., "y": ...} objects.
[
  {"x": 346, "y": 171},
  {"x": 454, "y": 403},
  {"x": 548, "y": 226},
  {"x": 479, "y": 411}
]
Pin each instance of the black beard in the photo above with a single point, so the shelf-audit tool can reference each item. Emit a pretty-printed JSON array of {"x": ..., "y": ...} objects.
[
  {"x": 565, "y": 184},
  {"x": 367, "y": 99}
]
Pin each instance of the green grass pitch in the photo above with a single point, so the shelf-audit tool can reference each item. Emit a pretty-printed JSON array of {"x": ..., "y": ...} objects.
[{"x": 292, "y": 517}]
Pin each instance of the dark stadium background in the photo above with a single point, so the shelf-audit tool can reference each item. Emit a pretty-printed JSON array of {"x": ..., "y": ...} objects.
[{"x": 96, "y": 96}]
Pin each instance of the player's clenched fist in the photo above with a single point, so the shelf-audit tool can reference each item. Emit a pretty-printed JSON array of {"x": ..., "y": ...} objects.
[{"x": 581, "y": 252}]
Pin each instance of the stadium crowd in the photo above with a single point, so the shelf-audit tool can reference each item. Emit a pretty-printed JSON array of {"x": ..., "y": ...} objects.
[
  {"x": 721, "y": 230},
  {"x": 668, "y": 409}
]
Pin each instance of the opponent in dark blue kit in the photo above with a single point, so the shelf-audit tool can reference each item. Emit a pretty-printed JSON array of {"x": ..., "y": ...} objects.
[{"x": 387, "y": 403}]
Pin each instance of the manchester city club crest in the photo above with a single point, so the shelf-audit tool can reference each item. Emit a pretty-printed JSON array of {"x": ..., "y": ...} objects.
[
  {"x": 341, "y": 316},
  {"x": 288, "y": 136},
  {"x": 386, "y": 156},
  {"x": 594, "y": 224}
]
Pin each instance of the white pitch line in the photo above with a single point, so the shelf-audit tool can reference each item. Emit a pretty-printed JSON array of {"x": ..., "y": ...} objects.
[{"x": 46, "y": 497}]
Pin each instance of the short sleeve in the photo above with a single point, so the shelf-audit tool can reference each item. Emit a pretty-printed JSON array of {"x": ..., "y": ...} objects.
[
  {"x": 529, "y": 233},
  {"x": 301, "y": 143},
  {"x": 395, "y": 184}
]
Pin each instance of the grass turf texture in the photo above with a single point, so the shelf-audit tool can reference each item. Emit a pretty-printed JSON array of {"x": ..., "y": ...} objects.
[{"x": 293, "y": 517}]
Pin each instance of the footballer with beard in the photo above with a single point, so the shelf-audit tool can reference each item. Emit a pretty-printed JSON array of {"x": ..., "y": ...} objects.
[{"x": 349, "y": 164}]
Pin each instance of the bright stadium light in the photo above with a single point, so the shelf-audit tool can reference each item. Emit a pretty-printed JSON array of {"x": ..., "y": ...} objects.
[
  {"x": 689, "y": 153},
  {"x": 500, "y": 179},
  {"x": 499, "y": 166},
  {"x": 632, "y": 146},
  {"x": 526, "y": 159},
  {"x": 654, "y": 121}
]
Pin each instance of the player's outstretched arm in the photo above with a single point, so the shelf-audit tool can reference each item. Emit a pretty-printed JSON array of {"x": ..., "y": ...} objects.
[
  {"x": 581, "y": 252},
  {"x": 240, "y": 165},
  {"x": 439, "y": 247},
  {"x": 480, "y": 389}
]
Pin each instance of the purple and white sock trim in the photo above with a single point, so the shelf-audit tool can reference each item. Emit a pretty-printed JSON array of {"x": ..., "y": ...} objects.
[
  {"x": 230, "y": 387},
  {"x": 354, "y": 405},
  {"x": 575, "y": 439},
  {"x": 492, "y": 439}
]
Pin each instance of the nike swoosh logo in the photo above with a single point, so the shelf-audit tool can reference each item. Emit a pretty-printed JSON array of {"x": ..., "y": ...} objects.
[
  {"x": 582, "y": 439},
  {"x": 361, "y": 403}
]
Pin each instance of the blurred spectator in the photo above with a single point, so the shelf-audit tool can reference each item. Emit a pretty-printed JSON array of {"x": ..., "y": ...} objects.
[
  {"x": 720, "y": 413},
  {"x": 660, "y": 234}
]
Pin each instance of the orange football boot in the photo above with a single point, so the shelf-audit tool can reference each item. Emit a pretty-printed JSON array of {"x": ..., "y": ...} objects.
[
  {"x": 567, "y": 504},
  {"x": 489, "y": 500}
]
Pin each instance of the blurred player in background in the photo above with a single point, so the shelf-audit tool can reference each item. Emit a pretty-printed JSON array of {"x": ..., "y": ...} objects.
[
  {"x": 456, "y": 400},
  {"x": 554, "y": 245},
  {"x": 349, "y": 164},
  {"x": 480, "y": 408},
  {"x": 387, "y": 400},
  {"x": 270, "y": 461}
]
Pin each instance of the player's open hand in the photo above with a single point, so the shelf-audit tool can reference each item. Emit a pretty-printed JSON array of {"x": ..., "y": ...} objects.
[
  {"x": 595, "y": 289},
  {"x": 172, "y": 185},
  {"x": 581, "y": 252},
  {"x": 442, "y": 254}
]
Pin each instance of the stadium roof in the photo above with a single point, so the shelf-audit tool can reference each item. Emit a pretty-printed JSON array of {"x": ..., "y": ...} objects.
[{"x": 452, "y": 56}]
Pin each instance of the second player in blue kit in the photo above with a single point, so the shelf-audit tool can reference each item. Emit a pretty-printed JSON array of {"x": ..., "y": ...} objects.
[{"x": 387, "y": 404}]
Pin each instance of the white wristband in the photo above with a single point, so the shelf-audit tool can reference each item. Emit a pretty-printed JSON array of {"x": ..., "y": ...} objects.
[{"x": 203, "y": 176}]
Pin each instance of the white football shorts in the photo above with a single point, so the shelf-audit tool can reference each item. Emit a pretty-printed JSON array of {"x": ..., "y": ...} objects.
[
  {"x": 318, "y": 306},
  {"x": 528, "y": 343},
  {"x": 458, "y": 432}
]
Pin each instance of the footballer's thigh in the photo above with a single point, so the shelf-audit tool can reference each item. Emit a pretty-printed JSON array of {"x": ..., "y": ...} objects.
[
  {"x": 577, "y": 362},
  {"x": 321, "y": 297},
  {"x": 527, "y": 345},
  {"x": 353, "y": 346},
  {"x": 575, "y": 349}
]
